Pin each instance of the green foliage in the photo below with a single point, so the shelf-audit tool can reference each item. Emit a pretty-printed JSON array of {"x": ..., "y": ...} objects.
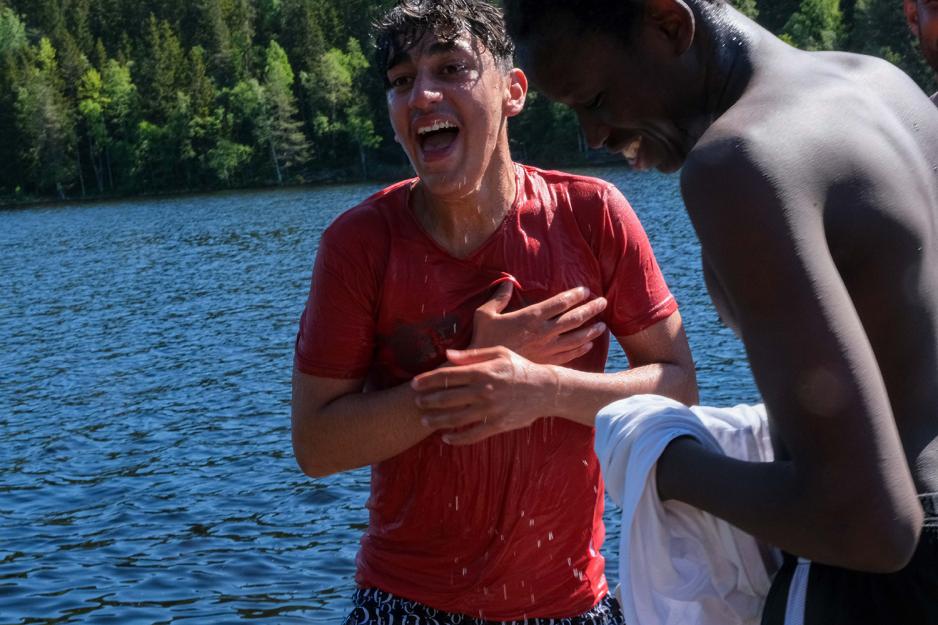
[
  {"x": 46, "y": 127},
  {"x": 289, "y": 148},
  {"x": 227, "y": 159},
  {"x": 747, "y": 7},
  {"x": 546, "y": 133},
  {"x": 12, "y": 33},
  {"x": 816, "y": 25},
  {"x": 345, "y": 117},
  {"x": 122, "y": 96}
]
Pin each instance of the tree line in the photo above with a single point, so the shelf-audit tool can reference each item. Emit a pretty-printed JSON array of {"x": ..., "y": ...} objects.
[{"x": 115, "y": 97}]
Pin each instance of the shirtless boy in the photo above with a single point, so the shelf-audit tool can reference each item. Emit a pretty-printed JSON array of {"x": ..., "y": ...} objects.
[
  {"x": 812, "y": 182},
  {"x": 483, "y": 505}
]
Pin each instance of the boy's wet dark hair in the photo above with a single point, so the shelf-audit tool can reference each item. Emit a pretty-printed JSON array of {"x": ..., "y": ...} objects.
[{"x": 406, "y": 24}]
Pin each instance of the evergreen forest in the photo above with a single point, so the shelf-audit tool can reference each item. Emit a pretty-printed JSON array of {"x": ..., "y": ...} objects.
[{"x": 124, "y": 97}]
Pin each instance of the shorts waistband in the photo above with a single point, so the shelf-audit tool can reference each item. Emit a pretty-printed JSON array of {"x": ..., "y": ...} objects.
[{"x": 370, "y": 603}]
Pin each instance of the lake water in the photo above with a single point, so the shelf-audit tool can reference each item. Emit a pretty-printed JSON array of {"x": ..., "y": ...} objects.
[{"x": 146, "y": 473}]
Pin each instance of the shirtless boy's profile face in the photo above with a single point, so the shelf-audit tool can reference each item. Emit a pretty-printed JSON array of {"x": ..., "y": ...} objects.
[
  {"x": 628, "y": 100},
  {"x": 449, "y": 102},
  {"x": 922, "y": 16}
]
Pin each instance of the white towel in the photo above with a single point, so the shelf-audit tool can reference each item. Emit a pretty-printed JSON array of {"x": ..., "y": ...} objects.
[{"x": 679, "y": 565}]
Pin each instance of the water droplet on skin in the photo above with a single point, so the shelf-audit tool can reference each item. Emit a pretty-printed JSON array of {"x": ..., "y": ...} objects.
[
  {"x": 538, "y": 543},
  {"x": 422, "y": 308},
  {"x": 505, "y": 591},
  {"x": 569, "y": 561},
  {"x": 522, "y": 514},
  {"x": 550, "y": 535},
  {"x": 464, "y": 571},
  {"x": 457, "y": 503}
]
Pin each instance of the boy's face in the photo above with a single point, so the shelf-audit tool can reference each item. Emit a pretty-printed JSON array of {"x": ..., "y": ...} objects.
[
  {"x": 626, "y": 100},
  {"x": 449, "y": 103},
  {"x": 922, "y": 16}
]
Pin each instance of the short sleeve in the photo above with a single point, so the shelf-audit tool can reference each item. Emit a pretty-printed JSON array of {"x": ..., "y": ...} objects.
[
  {"x": 637, "y": 293},
  {"x": 336, "y": 338}
]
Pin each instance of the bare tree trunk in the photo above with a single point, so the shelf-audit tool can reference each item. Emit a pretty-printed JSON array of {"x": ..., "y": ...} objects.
[
  {"x": 81, "y": 176},
  {"x": 95, "y": 165},
  {"x": 107, "y": 160},
  {"x": 273, "y": 156}
]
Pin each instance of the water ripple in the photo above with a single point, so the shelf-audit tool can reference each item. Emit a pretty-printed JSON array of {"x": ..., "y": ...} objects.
[{"x": 146, "y": 474}]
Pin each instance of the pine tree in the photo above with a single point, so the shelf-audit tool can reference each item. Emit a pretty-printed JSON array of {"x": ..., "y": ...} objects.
[
  {"x": 288, "y": 145},
  {"x": 44, "y": 124},
  {"x": 13, "y": 47},
  {"x": 91, "y": 105},
  {"x": 121, "y": 107},
  {"x": 162, "y": 65},
  {"x": 347, "y": 115}
]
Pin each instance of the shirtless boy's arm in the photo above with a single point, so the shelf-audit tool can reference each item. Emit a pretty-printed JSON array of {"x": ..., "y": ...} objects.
[{"x": 845, "y": 497}]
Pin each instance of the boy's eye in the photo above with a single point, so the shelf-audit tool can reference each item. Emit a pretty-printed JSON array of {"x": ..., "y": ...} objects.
[
  {"x": 453, "y": 68},
  {"x": 596, "y": 102},
  {"x": 400, "y": 81}
]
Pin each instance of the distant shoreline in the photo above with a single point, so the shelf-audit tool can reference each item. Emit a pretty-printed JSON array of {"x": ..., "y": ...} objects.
[{"x": 387, "y": 175}]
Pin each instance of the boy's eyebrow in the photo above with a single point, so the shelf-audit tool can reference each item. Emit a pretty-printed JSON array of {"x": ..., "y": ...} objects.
[{"x": 436, "y": 48}]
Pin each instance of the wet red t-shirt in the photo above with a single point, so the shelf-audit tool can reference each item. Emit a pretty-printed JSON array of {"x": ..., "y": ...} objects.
[{"x": 511, "y": 527}]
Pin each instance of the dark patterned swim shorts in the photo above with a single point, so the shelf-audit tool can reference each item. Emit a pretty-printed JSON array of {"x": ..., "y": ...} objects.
[{"x": 375, "y": 607}]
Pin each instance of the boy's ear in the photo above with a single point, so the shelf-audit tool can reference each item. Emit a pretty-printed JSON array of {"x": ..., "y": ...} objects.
[
  {"x": 674, "y": 19},
  {"x": 516, "y": 93}
]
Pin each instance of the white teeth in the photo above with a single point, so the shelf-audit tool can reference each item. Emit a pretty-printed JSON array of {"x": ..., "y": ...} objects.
[
  {"x": 631, "y": 150},
  {"x": 437, "y": 125}
]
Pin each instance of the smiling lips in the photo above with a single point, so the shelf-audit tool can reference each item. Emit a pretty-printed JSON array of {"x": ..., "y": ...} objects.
[
  {"x": 437, "y": 138},
  {"x": 631, "y": 150}
]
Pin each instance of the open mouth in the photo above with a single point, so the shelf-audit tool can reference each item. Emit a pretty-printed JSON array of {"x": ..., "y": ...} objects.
[
  {"x": 437, "y": 138},
  {"x": 632, "y": 150}
]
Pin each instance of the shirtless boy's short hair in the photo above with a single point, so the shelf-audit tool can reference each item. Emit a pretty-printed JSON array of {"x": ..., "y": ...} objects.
[
  {"x": 406, "y": 24},
  {"x": 525, "y": 17}
]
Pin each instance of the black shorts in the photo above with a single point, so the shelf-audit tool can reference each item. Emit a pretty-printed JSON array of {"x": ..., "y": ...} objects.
[
  {"x": 806, "y": 593},
  {"x": 375, "y": 607}
]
